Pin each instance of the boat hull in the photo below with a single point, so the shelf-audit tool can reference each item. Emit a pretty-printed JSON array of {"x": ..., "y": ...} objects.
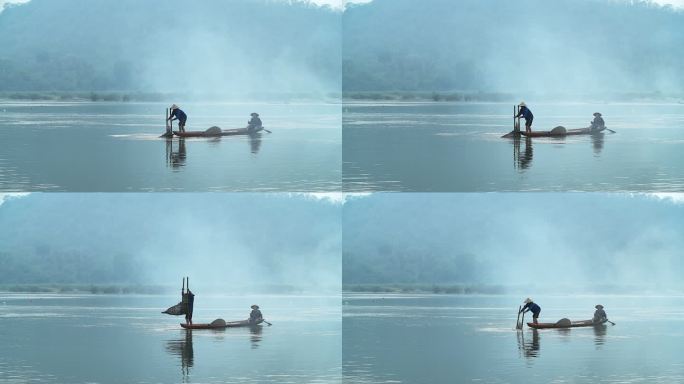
[
  {"x": 231, "y": 324},
  {"x": 226, "y": 132},
  {"x": 569, "y": 132},
  {"x": 573, "y": 324}
]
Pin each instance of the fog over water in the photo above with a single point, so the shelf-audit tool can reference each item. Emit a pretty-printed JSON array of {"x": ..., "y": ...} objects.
[
  {"x": 562, "y": 242},
  {"x": 241, "y": 48},
  {"x": 222, "y": 241}
]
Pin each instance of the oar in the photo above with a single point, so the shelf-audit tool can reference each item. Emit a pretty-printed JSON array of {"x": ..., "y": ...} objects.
[
  {"x": 517, "y": 321},
  {"x": 611, "y": 131},
  {"x": 610, "y": 321},
  {"x": 263, "y": 129},
  {"x": 269, "y": 324}
]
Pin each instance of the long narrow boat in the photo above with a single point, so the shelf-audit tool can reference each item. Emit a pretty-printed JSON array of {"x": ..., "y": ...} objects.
[
  {"x": 230, "y": 324},
  {"x": 572, "y": 324},
  {"x": 562, "y": 132},
  {"x": 225, "y": 132}
]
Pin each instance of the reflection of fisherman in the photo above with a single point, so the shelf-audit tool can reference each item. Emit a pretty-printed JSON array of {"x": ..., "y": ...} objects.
[
  {"x": 177, "y": 114},
  {"x": 527, "y": 115},
  {"x": 188, "y": 304},
  {"x": 598, "y": 124},
  {"x": 600, "y": 315},
  {"x": 255, "y": 317},
  {"x": 254, "y": 124},
  {"x": 531, "y": 306}
]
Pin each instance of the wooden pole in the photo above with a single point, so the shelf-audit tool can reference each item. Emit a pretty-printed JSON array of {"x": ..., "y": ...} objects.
[
  {"x": 183, "y": 287},
  {"x": 515, "y": 129},
  {"x": 517, "y": 321}
]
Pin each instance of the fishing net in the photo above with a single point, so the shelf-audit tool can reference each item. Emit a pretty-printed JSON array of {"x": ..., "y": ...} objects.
[{"x": 176, "y": 310}]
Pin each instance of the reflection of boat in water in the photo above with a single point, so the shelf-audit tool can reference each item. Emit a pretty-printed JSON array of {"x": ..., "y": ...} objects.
[
  {"x": 255, "y": 337},
  {"x": 529, "y": 348},
  {"x": 221, "y": 325},
  {"x": 176, "y": 158},
  {"x": 183, "y": 348},
  {"x": 567, "y": 324},
  {"x": 522, "y": 160}
]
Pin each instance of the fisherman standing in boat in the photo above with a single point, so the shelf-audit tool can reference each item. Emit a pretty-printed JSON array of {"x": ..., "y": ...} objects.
[
  {"x": 178, "y": 114},
  {"x": 598, "y": 124},
  {"x": 189, "y": 302},
  {"x": 255, "y": 317},
  {"x": 600, "y": 315},
  {"x": 254, "y": 124},
  {"x": 527, "y": 115},
  {"x": 531, "y": 306}
]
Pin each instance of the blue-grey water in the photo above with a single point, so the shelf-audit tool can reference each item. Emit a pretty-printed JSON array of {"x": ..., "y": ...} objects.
[
  {"x": 125, "y": 339},
  {"x": 436, "y": 339},
  {"x": 454, "y": 147},
  {"x": 112, "y": 147}
]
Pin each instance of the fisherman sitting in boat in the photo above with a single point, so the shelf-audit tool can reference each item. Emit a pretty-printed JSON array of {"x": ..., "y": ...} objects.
[
  {"x": 189, "y": 302},
  {"x": 531, "y": 306},
  {"x": 255, "y": 317},
  {"x": 600, "y": 315},
  {"x": 598, "y": 124},
  {"x": 527, "y": 115},
  {"x": 177, "y": 114},
  {"x": 254, "y": 124}
]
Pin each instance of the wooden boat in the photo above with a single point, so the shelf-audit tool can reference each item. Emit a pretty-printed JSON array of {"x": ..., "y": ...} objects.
[
  {"x": 571, "y": 324},
  {"x": 556, "y": 132},
  {"x": 219, "y": 133},
  {"x": 230, "y": 324}
]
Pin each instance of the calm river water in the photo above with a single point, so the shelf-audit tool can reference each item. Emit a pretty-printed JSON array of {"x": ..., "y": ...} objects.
[
  {"x": 435, "y": 339},
  {"x": 448, "y": 147},
  {"x": 114, "y": 147},
  {"x": 125, "y": 339}
]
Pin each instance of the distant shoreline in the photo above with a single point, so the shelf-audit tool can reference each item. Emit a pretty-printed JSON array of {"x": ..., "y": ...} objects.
[
  {"x": 484, "y": 289},
  {"x": 141, "y": 289},
  {"x": 501, "y": 97},
  {"x": 133, "y": 96}
]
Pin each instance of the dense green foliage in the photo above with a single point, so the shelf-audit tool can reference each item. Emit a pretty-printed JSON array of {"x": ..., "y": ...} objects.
[
  {"x": 560, "y": 46},
  {"x": 169, "y": 46}
]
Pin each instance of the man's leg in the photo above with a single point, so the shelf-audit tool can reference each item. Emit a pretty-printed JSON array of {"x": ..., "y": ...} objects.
[
  {"x": 535, "y": 317},
  {"x": 181, "y": 126}
]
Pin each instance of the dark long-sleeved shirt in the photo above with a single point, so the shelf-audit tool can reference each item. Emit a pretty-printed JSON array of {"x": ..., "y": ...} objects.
[
  {"x": 255, "y": 315},
  {"x": 254, "y": 122},
  {"x": 532, "y": 307},
  {"x": 600, "y": 315},
  {"x": 525, "y": 113},
  {"x": 179, "y": 115},
  {"x": 598, "y": 122}
]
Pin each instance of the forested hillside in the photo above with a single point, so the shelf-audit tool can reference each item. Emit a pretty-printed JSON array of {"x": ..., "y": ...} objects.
[
  {"x": 560, "y": 46},
  {"x": 216, "y": 46}
]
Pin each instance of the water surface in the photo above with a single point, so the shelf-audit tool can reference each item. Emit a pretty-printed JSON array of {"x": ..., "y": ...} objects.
[
  {"x": 113, "y": 147},
  {"x": 472, "y": 339},
  {"x": 125, "y": 339},
  {"x": 450, "y": 147}
]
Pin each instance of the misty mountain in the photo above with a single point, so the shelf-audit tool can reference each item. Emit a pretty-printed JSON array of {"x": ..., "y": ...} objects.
[
  {"x": 217, "y": 239},
  {"x": 208, "y": 46},
  {"x": 505, "y": 239},
  {"x": 563, "y": 46}
]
